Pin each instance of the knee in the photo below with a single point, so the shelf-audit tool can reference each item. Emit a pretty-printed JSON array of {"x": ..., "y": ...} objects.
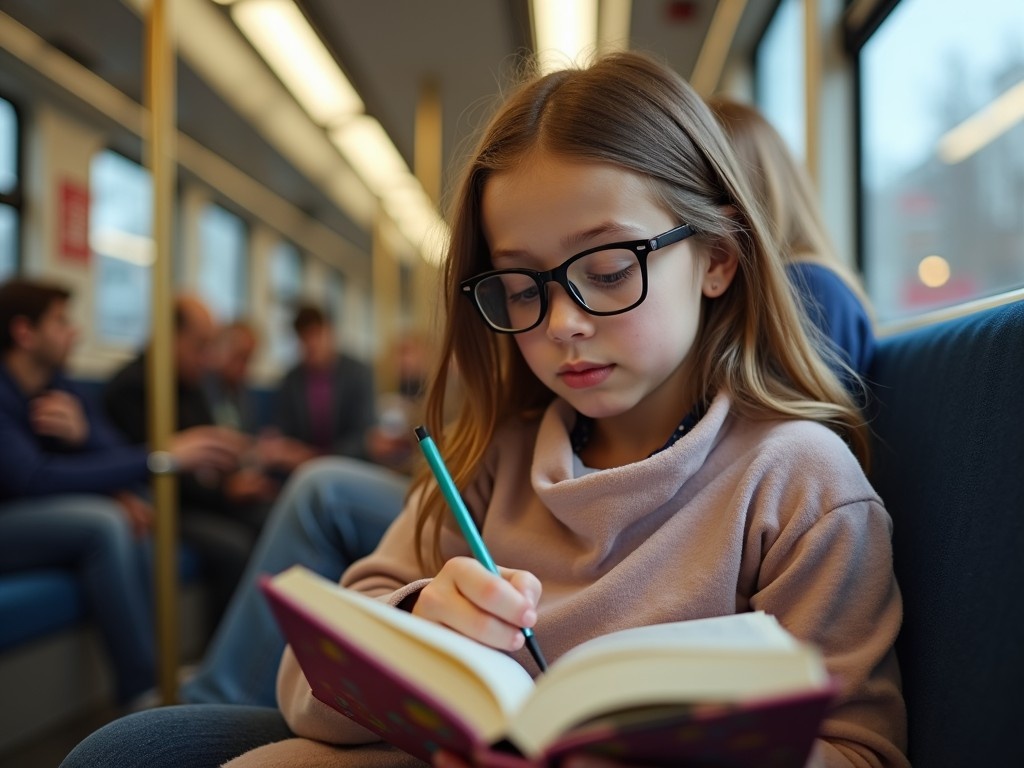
[
  {"x": 326, "y": 470},
  {"x": 103, "y": 521}
]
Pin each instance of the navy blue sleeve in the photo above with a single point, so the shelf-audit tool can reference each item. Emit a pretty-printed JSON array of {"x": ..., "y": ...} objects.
[
  {"x": 102, "y": 434},
  {"x": 29, "y": 467},
  {"x": 837, "y": 312}
]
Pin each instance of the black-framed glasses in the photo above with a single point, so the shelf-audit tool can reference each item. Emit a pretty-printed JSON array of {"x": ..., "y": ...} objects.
[{"x": 606, "y": 280}]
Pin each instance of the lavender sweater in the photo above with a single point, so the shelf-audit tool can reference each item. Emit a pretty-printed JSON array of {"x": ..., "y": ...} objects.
[{"x": 736, "y": 516}]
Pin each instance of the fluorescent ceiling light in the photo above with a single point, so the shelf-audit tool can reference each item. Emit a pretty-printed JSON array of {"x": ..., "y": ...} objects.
[
  {"x": 368, "y": 149},
  {"x": 563, "y": 31},
  {"x": 279, "y": 31},
  {"x": 983, "y": 127}
]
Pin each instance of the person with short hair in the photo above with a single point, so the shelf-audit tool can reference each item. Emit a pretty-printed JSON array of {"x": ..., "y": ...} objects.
[
  {"x": 327, "y": 400},
  {"x": 70, "y": 486},
  {"x": 221, "y": 512}
]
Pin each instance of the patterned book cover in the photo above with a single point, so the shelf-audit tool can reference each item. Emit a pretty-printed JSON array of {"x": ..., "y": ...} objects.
[{"x": 771, "y": 733}]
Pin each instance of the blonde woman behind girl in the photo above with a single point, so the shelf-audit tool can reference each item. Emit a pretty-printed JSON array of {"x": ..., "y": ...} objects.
[
  {"x": 831, "y": 294},
  {"x": 650, "y": 436}
]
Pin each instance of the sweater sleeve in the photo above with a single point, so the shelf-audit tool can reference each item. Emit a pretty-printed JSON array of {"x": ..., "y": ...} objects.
[
  {"x": 28, "y": 469},
  {"x": 832, "y": 584}
]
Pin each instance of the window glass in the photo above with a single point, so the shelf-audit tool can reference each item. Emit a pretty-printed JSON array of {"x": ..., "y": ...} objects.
[
  {"x": 336, "y": 300},
  {"x": 9, "y": 193},
  {"x": 285, "y": 290},
  {"x": 8, "y": 148},
  {"x": 120, "y": 234},
  {"x": 779, "y": 74},
  {"x": 942, "y": 173},
  {"x": 8, "y": 241},
  {"x": 224, "y": 248}
]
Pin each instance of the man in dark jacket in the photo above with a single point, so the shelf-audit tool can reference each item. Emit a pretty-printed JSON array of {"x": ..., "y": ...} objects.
[{"x": 68, "y": 482}]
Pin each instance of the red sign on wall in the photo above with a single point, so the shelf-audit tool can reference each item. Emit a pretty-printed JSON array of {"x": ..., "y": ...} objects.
[{"x": 73, "y": 221}]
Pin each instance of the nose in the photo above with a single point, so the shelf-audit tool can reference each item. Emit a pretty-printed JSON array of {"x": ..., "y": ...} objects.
[{"x": 566, "y": 319}]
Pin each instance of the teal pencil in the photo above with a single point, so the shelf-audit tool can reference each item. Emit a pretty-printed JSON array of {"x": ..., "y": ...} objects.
[{"x": 466, "y": 524}]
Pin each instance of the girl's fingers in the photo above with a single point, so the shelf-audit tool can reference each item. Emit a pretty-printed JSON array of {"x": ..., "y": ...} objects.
[{"x": 469, "y": 599}]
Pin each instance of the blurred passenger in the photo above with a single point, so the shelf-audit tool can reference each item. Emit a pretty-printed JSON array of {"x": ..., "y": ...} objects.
[
  {"x": 226, "y": 382},
  {"x": 70, "y": 486},
  {"x": 327, "y": 400},
  {"x": 331, "y": 512},
  {"x": 221, "y": 514},
  {"x": 390, "y": 441},
  {"x": 830, "y": 293}
]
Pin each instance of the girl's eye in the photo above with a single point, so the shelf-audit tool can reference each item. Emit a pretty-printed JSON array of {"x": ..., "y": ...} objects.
[
  {"x": 521, "y": 297},
  {"x": 611, "y": 279}
]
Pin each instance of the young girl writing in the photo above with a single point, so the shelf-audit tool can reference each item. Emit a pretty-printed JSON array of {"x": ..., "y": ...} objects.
[{"x": 650, "y": 435}]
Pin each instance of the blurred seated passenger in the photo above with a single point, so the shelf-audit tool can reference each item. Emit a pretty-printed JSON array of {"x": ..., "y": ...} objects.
[
  {"x": 221, "y": 514},
  {"x": 69, "y": 485},
  {"x": 327, "y": 400},
  {"x": 226, "y": 382},
  {"x": 331, "y": 512},
  {"x": 832, "y": 297},
  {"x": 390, "y": 441}
]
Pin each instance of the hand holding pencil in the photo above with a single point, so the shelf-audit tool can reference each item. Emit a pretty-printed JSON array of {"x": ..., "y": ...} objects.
[{"x": 465, "y": 596}]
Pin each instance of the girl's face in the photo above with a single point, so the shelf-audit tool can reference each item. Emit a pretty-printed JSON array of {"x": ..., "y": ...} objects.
[{"x": 630, "y": 372}]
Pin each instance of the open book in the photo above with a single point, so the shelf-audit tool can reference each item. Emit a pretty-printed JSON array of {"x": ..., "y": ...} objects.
[{"x": 726, "y": 691}]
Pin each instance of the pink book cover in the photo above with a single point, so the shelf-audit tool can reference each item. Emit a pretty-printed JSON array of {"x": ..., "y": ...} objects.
[
  {"x": 771, "y": 733},
  {"x": 344, "y": 677}
]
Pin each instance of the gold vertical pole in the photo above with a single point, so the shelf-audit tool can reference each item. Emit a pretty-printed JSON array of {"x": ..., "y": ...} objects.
[
  {"x": 385, "y": 304},
  {"x": 812, "y": 88},
  {"x": 428, "y": 166},
  {"x": 427, "y": 160},
  {"x": 160, "y": 152}
]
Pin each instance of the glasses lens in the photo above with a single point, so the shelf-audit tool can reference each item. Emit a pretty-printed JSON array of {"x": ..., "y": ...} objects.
[
  {"x": 510, "y": 301},
  {"x": 607, "y": 281}
]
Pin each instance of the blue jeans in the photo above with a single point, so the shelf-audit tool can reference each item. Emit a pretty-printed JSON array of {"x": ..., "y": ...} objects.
[
  {"x": 197, "y": 736},
  {"x": 91, "y": 535},
  {"x": 331, "y": 512}
]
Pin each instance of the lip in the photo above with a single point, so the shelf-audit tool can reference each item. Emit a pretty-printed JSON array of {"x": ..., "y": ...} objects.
[{"x": 584, "y": 375}]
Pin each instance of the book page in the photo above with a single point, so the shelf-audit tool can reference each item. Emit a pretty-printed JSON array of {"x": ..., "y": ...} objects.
[
  {"x": 755, "y": 630},
  {"x": 723, "y": 660}
]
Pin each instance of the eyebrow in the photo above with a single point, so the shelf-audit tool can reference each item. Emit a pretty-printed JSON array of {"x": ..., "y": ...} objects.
[{"x": 573, "y": 242}]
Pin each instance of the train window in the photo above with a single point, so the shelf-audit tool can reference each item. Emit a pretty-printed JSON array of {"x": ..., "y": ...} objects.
[
  {"x": 120, "y": 234},
  {"x": 286, "y": 271},
  {"x": 8, "y": 241},
  {"x": 223, "y": 257},
  {"x": 9, "y": 190},
  {"x": 942, "y": 148},
  {"x": 779, "y": 73},
  {"x": 336, "y": 300}
]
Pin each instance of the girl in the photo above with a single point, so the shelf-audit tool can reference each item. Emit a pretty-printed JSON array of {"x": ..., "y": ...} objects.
[{"x": 650, "y": 437}]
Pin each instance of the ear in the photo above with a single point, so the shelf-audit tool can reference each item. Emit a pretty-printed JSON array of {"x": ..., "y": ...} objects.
[{"x": 723, "y": 261}]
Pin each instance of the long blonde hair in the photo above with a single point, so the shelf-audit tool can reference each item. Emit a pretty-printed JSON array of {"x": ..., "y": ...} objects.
[
  {"x": 629, "y": 110},
  {"x": 782, "y": 186}
]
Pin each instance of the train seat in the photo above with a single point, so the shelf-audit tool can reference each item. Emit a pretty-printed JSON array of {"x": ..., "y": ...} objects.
[
  {"x": 949, "y": 464},
  {"x": 37, "y": 602},
  {"x": 52, "y": 664}
]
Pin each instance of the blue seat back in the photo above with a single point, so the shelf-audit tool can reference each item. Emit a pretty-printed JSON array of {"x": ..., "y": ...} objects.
[{"x": 949, "y": 464}]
